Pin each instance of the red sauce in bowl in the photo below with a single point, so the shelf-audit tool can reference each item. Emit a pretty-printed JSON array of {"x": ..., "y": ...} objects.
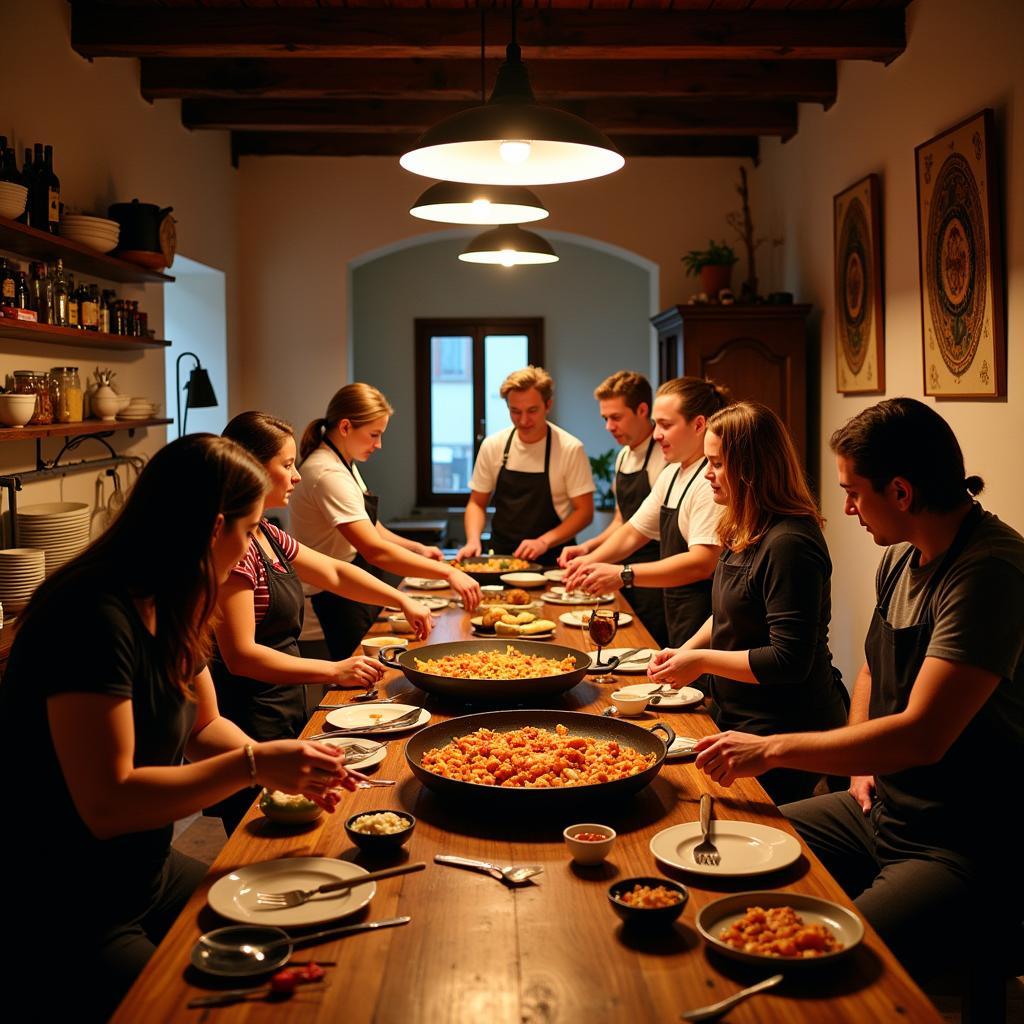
[{"x": 590, "y": 837}]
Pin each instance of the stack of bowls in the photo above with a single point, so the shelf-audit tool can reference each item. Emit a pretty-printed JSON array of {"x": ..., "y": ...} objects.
[
  {"x": 138, "y": 409},
  {"x": 60, "y": 528},
  {"x": 21, "y": 571},
  {"x": 96, "y": 233},
  {"x": 12, "y": 199}
]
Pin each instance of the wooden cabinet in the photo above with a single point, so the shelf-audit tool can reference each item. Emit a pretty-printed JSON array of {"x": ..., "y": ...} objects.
[{"x": 758, "y": 352}]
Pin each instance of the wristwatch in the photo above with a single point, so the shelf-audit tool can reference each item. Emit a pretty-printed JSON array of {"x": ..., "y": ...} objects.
[{"x": 627, "y": 575}]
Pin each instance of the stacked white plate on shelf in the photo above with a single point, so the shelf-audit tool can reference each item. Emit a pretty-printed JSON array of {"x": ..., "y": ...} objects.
[
  {"x": 93, "y": 232},
  {"x": 12, "y": 199},
  {"x": 139, "y": 409},
  {"x": 60, "y": 528},
  {"x": 21, "y": 571}
]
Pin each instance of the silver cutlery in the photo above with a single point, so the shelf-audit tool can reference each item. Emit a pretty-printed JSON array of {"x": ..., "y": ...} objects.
[
  {"x": 370, "y": 783},
  {"x": 408, "y": 718},
  {"x": 370, "y": 697},
  {"x": 258, "y": 950},
  {"x": 714, "y": 1010},
  {"x": 296, "y": 897},
  {"x": 706, "y": 853},
  {"x": 509, "y": 873}
]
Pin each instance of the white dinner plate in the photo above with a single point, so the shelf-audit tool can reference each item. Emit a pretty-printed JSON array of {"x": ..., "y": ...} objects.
[
  {"x": 580, "y": 619},
  {"x": 359, "y": 716},
  {"x": 234, "y": 895},
  {"x": 433, "y": 604},
  {"x": 746, "y": 848},
  {"x": 682, "y": 746},
  {"x": 635, "y": 663},
  {"x": 523, "y": 579},
  {"x": 551, "y": 597},
  {"x": 684, "y": 697},
  {"x": 478, "y": 629},
  {"x": 359, "y": 761},
  {"x": 423, "y": 583},
  {"x": 722, "y": 913},
  {"x": 555, "y": 575}
]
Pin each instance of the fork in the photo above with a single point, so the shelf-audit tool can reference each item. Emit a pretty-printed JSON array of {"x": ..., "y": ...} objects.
[
  {"x": 718, "y": 1009},
  {"x": 409, "y": 716},
  {"x": 296, "y": 897},
  {"x": 706, "y": 852},
  {"x": 369, "y": 697}
]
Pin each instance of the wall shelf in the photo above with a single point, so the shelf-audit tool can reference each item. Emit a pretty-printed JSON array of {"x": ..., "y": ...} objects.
[
  {"x": 34, "y": 244},
  {"x": 77, "y": 429},
  {"x": 25, "y": 330}
]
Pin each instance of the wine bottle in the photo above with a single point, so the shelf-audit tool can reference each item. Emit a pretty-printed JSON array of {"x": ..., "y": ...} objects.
[
  {"x": 27, "y": 174},
  {"x": 52, "y": 195},
  {"x": 6, "y": 283},
  {"x": 21, "y": 300},
  {"x": 73, "y": 320},
  {"x": 60, "y": 296}
]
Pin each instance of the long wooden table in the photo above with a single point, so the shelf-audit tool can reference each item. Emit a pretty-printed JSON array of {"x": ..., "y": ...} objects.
[{"x": 477, "y": 951}]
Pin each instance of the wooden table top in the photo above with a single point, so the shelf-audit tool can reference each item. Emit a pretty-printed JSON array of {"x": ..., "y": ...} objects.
[{"x": 476, "y": 951}]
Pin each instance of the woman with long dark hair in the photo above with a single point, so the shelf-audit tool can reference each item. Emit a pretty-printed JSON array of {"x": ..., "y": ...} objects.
[{"x": 106, "y": 692}]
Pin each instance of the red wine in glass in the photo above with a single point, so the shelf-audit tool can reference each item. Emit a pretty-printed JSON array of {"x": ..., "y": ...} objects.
[{"x": 603, "y": 626}]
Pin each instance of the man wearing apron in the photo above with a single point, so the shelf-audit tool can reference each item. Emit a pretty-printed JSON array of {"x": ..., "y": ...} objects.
[
  {"x": 539, "y": 476},
  {"x": 625, "y": 401},
  {"x": 935, "y": 742}
]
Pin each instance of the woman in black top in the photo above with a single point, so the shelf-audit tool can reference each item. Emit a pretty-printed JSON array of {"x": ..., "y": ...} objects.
[
  {"x": 765, "y": 645},
  {"x": 106, "y": 692}
]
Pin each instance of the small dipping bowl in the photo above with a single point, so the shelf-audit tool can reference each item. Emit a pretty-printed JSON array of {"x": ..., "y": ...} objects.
[
  {"x": 240, "y": 957},
  {"x": 296, "y": 812},
  {"x": 630, "y": 705},
  {"x": 373, "y": 645},
  {"x": 371, "y": 842},
  {"x": 399, "y": 623},
  {"x": 589, "y": 851},
  {"x": 646, "y": 917}
]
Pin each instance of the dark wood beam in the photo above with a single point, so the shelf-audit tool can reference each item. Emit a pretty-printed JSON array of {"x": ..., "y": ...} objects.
[
  {"x": 424, "y": 79},
  {"x": 635, "y": 117},
  {"x": 98, "y": 31},
  {"x": 347, "y": 144}
]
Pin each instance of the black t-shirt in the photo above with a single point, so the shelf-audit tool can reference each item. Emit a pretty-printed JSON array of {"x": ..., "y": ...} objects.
[{"x": 89, "y": 638}]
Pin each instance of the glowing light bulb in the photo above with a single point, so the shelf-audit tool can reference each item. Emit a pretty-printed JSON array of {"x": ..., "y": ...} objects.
[
  {"x": 515, "y": 152},
  {"x": 508, "y": 257},
  {"x": 480, "y": 204}
]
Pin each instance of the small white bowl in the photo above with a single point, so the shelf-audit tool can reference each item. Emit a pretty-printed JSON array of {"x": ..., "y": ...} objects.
[
  {"x": 373, "y": 645},
  {"x": 589, "y": 852},
  {"x": 16, "y": 410},
  {"x": 630, "y": 705},
  {"x": 523, "y": 579},
  {"x": 399, "y": 623}
]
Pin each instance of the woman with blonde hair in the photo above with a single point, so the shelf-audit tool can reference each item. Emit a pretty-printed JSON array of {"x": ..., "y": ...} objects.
[
  {"x": 333, "y": 511},
  {"x": 765, "y": 645}
]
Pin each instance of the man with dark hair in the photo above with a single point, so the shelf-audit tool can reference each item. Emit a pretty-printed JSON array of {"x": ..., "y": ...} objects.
[{"x": 935, "y": 738}]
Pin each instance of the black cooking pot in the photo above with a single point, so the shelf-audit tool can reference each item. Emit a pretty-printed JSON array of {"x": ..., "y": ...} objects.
[
  {"x": 490, "y": 578},
  {"x": 140, "y": 225},
  {"x": 508, "y": 798}
]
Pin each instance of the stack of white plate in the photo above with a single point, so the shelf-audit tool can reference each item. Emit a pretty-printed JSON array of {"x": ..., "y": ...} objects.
[
  {"x": 139, "y": 409},
  {"x": 60, "y": 528},
  {"x": 12, "y": 199},
  {"x": 21, "y": 571},
  {"x": 93, "y": 232}
]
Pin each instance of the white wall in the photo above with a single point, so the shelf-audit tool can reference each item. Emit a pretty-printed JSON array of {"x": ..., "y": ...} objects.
[{"x": 960, "y": 58}]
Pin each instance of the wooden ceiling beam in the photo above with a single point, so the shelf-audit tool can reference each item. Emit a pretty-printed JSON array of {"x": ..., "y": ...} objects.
[
  {"x": 424, "y": 79},
  {"x": 634, "y": 117},
  {"x": 402, "y": 33}
]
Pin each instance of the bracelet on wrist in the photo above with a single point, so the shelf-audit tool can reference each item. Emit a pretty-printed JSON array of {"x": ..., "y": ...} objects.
[{"x": 250, "y": 757}]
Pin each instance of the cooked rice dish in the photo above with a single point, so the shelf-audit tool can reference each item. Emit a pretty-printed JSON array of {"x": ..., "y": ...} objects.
[
  {"x": 508, "y": 664},
  {"x": 492, "y": 565},
  {"x": 779, "y": 931}
]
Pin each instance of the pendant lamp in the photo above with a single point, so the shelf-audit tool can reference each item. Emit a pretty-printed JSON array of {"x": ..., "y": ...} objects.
[
  {"x": 508, "y": 246},
  {"x": 454, "y": 202},
  {"x": 512, "y": 139}
]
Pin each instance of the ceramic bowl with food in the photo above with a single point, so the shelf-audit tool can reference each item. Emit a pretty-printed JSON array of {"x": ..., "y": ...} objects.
[
  {"x": 630, "y": 704},
  {"x": 381, "y": 831},
  {"x": 588, "y": 843},
  {"x": 373, "y": 645},
  {"x": 288, "y": 808},
  {"x": 399, "y": 623},
  {"x": 647, "y": 902}
]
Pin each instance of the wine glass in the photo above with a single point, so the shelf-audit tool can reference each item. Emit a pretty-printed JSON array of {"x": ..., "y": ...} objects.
[{"x": 603, "y": 625}]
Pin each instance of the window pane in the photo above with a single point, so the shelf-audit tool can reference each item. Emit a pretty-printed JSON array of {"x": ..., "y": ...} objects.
[
  {"x": 503, "y": 353},
  {"x": 451, "y": 413}
]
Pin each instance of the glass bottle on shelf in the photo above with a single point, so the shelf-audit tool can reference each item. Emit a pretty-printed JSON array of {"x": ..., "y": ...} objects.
[
  {"x": 89, "y": 307},
  {"x": 41, "y": 293},
  {"x": 106, "y": 301},
  {"x": 73, "y": 310},
  {"x": 52, "y": 194},
  {"x": 28, "y": 172},
  {"x": 134, "y": 321},
  {"x": 21, "y": 298},
  {"x": 6, "y": 283},
  {"x": 60, "y": 296},
  {"x": 67, "y": 394}
]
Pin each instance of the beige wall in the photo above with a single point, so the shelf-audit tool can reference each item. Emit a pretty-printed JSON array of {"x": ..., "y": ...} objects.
[
  {"x": 960, "y": 58},
  {"x": 109, "y": 145}
]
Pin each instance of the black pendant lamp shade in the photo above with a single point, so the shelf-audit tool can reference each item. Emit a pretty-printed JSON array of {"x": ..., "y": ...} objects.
[
  {"x": 455, "y": 202},
  {"x": 199, "y": 393},
  {"x": 513, "y": 140},
  {"x": 508, "y": 246}
]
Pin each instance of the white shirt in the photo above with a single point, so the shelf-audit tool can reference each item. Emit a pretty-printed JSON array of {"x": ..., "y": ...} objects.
[
  {"x": 698, "y": 513},
  {"x": 327, "y": 496},
  {"x": 568, "y": 472},
  {"x": 631, "y": 460}
]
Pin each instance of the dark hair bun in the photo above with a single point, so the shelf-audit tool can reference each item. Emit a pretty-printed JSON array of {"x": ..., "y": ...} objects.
[{"x": 975, "y": 485}]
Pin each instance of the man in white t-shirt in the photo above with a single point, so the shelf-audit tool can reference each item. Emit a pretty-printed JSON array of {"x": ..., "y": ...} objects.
[{"x": 539, "y": 476}]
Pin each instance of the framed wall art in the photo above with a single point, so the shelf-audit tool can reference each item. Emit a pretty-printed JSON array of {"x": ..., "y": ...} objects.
[
  {"x": 963, "y": 325},
  {"x": 860, "y": 324}
]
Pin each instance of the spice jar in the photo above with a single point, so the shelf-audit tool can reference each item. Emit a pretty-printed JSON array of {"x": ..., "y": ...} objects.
[
  {"x": 68, "y": 398},
  {"x": 29, "y": 382}
]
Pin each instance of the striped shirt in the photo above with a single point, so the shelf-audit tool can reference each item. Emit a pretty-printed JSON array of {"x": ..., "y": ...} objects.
[{"x": 253, "y": 570}]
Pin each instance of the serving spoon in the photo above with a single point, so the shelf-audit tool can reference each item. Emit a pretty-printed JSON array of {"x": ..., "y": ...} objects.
[{"x": 510, "y": 874}]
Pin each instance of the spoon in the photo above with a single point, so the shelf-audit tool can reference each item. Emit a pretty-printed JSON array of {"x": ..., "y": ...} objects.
[
  {"x": 370, "y": 697},
  {"x": 610, "y": 712},
  {"x": 510, "y": 874}
]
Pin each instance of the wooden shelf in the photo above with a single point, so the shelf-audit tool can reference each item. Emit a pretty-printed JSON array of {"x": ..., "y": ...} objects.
[
  {"x": 34, "y": 244},
  {"x": 25, "y": 330},
  {"x": 76, "y": 429}
]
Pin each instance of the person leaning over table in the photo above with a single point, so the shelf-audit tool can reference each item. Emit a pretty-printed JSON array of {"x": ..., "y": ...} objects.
[
  {"x": 625, "y": 400},
  {"x": 105, "y": 693},
  {"x": 539, "y": 476},
  {"x": 765, "y": 646},
  {"x": 679, "y": 512},
  {"x": 935, "y": 740},
  {"x": 257, "y": 670},
  {"x": 333, "y": 512}
]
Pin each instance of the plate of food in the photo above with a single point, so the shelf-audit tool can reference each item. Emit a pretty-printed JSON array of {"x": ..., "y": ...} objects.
[
  {"x": 746, "y": 848},
  {"x": 363, "y": 716},
  {"x": 499, "y": 621},
  {"x": 581, "y": 619},
  {"x": 422, "y": 583},
  {"x": 559, "y": 595},
  {"x": 359, "y": 753},
  {"x": 434, "y": 604},
  {"x": 779, "y": 929},
  {"x": 684, "y": 697},
  {"x": 489, "y": 568}
]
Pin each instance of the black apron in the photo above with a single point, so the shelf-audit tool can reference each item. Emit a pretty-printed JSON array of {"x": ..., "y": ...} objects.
[
  {"x": 346, "y": 622},
  {"x": 264, "y": 711},
  {"x": 523, "y": 507},
  {"x": 630, "y": 491},
  {"x": 942, "y": 804}
]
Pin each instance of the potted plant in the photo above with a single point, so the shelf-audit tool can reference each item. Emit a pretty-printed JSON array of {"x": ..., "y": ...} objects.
[
  {"x": 603, "y": 469},
  {"x": 713, "y": 265}
]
